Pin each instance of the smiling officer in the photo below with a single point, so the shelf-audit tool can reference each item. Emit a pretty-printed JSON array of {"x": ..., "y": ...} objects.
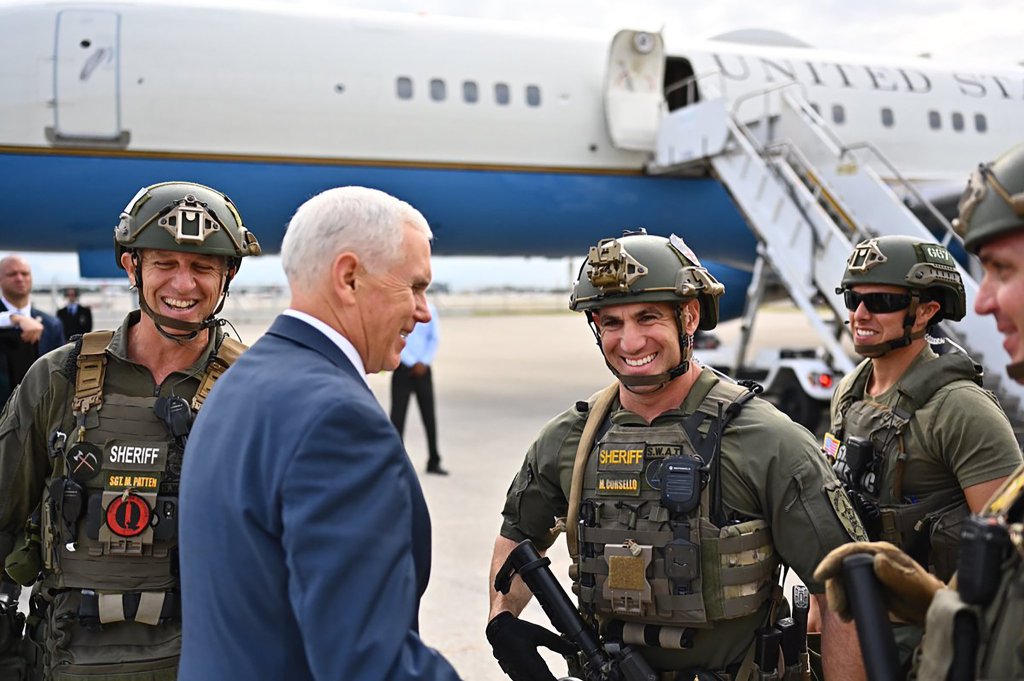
[
  {"x": 914, "y": 438},
  {"x": 93, "y": 438}
]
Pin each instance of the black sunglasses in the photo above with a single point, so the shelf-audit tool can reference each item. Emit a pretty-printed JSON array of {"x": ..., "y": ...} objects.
[{"x": 876, "y": 303}]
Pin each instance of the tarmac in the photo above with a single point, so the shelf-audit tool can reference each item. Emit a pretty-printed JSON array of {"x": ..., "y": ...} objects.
[{"x": 503, "y": 369}]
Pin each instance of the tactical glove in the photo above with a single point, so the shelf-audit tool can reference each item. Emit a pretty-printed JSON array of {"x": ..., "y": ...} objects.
[
  {"x": 514, "y": 643},
  {"x": 907, "y": 588}
]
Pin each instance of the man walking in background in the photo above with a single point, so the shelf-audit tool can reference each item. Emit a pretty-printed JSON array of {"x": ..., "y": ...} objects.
[{"x": 414, "y": 375}]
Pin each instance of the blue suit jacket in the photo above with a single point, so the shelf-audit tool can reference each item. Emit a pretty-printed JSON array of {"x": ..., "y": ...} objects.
[
  {"x": 53, "y": 331},
  {"x": 305, "y": 538}
]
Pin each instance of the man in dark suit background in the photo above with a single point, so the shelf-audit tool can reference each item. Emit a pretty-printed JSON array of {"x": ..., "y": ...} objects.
[
  {"x": 26, "y": 332},
  {"x": 306, "y": 529},
  {"x": 75, "y": 317}
]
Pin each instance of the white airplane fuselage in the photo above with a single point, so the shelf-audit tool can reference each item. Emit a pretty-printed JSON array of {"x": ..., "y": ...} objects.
[{"x": 497, "y": 133}]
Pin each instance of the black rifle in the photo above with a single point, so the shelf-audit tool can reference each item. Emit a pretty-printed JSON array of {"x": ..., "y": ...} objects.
[
  {"x": 600, "y": 662},
  {"x": 877, "y": 643}
]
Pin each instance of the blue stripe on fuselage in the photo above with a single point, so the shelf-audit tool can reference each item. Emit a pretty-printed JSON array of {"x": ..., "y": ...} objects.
[{"x": 71, "y": 202}]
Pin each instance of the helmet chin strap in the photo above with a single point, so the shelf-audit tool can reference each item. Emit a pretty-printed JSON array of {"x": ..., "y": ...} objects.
[
  {"x": 880, "y": 349},
  {"x": 191, "y": 329},
  {"x": 630, "y": 381}
]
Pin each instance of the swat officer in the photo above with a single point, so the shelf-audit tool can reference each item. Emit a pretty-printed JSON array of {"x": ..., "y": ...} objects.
[
  {"x": 94, "y": 437},
  {"x": 679, "y": 491},
  {"x": 917, "y": 442},
  {"x": 975, "y": 627}
]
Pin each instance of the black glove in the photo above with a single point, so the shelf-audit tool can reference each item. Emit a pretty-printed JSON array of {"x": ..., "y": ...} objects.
[
  {"x": 514, "y": 643},
  {"x": 12, "y": 622}
]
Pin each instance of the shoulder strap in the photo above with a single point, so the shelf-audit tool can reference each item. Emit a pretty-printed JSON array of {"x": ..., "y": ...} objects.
[
  {"x": 858, "y": 382},
  {"x": 229, "y": 351},
  {"x": 722, "y": 403},
  {"x": 600, "y": 405},
  {"x": 919, "y": 385},
  {"x": 92, "y": 365}
]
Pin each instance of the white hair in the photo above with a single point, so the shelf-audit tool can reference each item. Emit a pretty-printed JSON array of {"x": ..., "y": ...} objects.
[{"x": 367, "y": 222}]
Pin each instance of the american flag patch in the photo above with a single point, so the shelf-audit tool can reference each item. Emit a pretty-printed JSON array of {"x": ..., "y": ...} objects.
[{"x": 830, "y": 446}]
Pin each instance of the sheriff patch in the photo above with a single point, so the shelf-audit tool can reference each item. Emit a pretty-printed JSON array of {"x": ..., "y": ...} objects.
[
  {"x": 845, "y": 512},
  {"x": 616, "y": 456},
  {"x": 135, "y": 456},
  {"x": 613, "y": 484}
]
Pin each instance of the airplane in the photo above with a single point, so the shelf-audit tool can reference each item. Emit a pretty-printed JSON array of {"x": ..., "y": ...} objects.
[{"x": 511, "y": 139}]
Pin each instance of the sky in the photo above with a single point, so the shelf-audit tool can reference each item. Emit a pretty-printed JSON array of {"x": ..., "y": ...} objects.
[{"x": 986, "y": 31}]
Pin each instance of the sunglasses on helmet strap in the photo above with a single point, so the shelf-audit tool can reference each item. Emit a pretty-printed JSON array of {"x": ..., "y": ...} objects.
[{"x": 876, "y": 303}]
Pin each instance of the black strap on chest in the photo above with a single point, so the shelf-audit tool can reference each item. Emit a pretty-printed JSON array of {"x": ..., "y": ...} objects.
[{"x": 704, "y": 428}]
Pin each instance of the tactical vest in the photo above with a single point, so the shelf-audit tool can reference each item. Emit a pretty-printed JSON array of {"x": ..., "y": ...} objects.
[
  {"x": 978, "y": 625},
  {"x": 653, "y": 545},
  {"x": 109, "y": 525},
  {"x": 870, "y": 457}
]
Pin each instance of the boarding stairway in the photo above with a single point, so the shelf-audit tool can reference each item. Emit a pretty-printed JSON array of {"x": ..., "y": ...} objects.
[{"x": 809, "y": 198}]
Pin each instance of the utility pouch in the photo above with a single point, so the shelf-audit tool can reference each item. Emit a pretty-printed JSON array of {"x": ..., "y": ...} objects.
[
  {"x": 24, "y": 563},
  {"x": 947, "y": 527},
  {"x": 682, "y": 563}
]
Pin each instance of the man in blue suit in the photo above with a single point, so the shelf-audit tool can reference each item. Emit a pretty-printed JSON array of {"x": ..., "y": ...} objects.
[
  {"x": 306, "y": 531},
  {"x": 26, "y": 332}
]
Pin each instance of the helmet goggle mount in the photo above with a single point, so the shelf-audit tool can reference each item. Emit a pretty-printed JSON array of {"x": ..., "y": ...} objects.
[
  {"x": 977, "y": 187},
  {"x": 612, "y": 269}
]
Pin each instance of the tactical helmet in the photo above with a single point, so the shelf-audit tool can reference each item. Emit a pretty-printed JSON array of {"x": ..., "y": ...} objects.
[
  {"x": 183, "y": 216},
  {"x": 993, "y": 202},
  {"x": 638, "y": 268},
  {"x": 189, "y": 217},
  {"x": 909, "y": 263}
]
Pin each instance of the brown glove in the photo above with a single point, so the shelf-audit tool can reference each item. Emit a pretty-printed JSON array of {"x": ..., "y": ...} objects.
[{"x": 907, "y": 588}]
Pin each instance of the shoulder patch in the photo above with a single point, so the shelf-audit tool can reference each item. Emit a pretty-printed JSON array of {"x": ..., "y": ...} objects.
[{"x": 843, "y": 507}]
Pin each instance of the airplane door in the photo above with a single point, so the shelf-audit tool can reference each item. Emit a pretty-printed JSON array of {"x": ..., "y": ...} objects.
[
  {"x": 86, "y": 70},
  {"x": 633, "y": 89}
]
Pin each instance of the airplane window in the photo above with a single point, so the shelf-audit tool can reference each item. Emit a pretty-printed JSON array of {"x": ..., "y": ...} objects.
[
  {"x": 437, "y": 90},
  {"x": 980, "y": 123},
  {"x": 532, "y": 95},
  {"x": 958, "y": 121},
  {"x": 838, "y": 114},
  {"x": 887, "y": 117},
  {"x": 404, "y": 87},
  {"x": 501, "y": 93},
  {"x": 934, "y": 120},
  {"x": 469, "y": 91}
]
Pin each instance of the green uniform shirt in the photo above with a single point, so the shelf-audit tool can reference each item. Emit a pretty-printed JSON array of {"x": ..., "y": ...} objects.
[
  {"x": 771, "y": 469},
  {"x": 958, "y": 438},
  {"x": 42, "y": 404}
]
